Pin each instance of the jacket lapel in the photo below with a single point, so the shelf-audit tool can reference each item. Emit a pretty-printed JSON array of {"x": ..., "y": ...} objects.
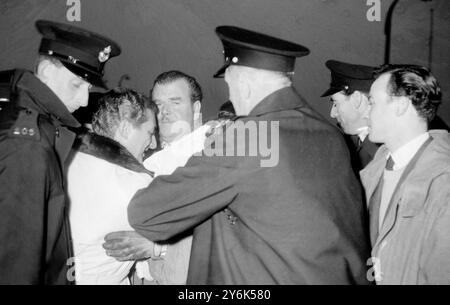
[
  {"x": 374, "y": 211},
  {"x": 392, "y": 211},
  {"x": 63, "y": 143},
  {"x": 371, "y": 178}
]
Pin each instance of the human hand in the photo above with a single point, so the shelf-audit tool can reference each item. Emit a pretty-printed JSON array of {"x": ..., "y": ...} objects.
[{"x": 128, "y": 245}]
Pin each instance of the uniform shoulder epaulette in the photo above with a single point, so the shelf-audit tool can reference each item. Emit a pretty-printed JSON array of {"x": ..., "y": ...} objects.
[{"x": 26, "y": 125}]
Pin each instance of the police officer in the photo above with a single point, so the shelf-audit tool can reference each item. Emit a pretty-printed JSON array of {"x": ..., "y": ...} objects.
[
  {"x": 348, "y": 91},
  {"x": 294, "y": 221},
  {"x": 34, "y": 143}
]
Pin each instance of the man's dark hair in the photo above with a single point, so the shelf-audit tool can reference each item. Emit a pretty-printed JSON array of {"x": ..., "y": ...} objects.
[
  {"x": 418, "y": 84},
  {"x": 171, "y": 76}
]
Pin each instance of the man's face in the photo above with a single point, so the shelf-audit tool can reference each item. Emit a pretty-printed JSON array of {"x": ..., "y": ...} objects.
[
  {"x": 382, "y": 110},
  {"x": 345, "y": 112},
  {"x": 72, "y": 90},
  {"x": 176, "y": 110}
]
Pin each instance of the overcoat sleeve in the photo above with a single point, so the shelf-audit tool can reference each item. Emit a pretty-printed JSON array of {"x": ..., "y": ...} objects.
[
  {"x": 436, "y": 253},
  {"x": 173, "y": 204},
  {"x": 24, "y": 192}
]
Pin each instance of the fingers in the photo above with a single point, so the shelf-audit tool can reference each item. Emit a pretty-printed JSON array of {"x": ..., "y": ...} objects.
[
  {"x": 127, "y": 254},
  {"x": 126, "y": 258},
  {"x": 120, "y": 235},
  {"x": 120, "y": 255},
  {"x": 116, "y": 245}
]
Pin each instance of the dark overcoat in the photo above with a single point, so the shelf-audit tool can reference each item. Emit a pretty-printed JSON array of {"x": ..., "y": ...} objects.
[
  {"x": 298, "y": 222},
  {"x": 361, "y": 153},
  {"x": 35, "y": 243}
]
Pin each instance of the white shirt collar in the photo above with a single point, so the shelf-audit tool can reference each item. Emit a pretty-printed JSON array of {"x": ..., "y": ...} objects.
[
  {"x": 405, "y": 153},
  {"x": 363, "y": 132}
]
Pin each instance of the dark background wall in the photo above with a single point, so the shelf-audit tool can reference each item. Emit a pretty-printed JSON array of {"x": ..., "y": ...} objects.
[{"x": 160, "y": 35}]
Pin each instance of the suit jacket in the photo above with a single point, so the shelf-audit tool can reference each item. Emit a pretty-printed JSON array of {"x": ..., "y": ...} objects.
[
  {"x": 34, "y": 144},
  {"x": 361, "y": 153},
  {"x": 298, "y": 222},
  {"x": 413, "y": 244}
]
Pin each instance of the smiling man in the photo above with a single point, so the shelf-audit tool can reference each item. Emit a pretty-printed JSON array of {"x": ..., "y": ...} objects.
[{"x": 35, "y": 141}]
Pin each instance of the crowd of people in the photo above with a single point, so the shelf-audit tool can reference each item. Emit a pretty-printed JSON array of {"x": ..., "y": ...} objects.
[{"x": 145, "y": 192}]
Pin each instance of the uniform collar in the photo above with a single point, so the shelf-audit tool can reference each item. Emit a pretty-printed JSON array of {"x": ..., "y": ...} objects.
[
  {"x": 44, "y": 97},
  {"x": 282, "y": 99}
]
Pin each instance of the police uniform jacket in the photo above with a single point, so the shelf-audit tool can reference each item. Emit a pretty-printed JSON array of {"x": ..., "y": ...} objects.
[
  {"x": 298, "y": 222},
  {"x": 34, "y": 143},
  {"x": 361, "y": 153}
]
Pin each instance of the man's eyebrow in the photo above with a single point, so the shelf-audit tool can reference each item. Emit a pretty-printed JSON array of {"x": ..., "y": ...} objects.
[{"x": 175, "y": 98}]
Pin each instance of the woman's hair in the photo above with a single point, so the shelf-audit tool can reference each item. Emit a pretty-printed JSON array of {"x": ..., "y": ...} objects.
[{"x": 118, "y": 105}]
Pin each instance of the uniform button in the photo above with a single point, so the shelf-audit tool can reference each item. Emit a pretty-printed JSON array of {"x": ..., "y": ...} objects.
[
  {"x": 57, "y": 132},
  {"x": 31, "y": 132},
  {"x": 24, "y": 131},
  {"x": 16, "y": 131}
]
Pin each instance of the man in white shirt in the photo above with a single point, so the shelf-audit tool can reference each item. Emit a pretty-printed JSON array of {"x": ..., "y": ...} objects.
[
  {"x": 178, "y": 97},
  {"x": 407, "y": 183}
]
